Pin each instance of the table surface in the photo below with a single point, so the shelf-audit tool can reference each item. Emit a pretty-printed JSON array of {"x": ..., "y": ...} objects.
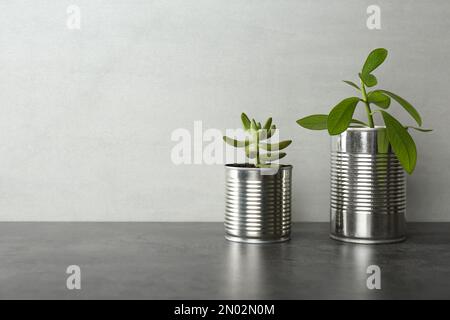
[{"x": 194, "y": 261}]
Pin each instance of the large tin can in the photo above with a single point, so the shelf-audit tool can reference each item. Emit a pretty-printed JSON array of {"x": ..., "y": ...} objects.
[{"x": 368, "y": 188}]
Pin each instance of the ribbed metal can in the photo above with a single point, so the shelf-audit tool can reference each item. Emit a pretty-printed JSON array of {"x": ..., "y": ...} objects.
[
  {"x": 258, "y": 204},
  {"x": 368, "y": 188}
]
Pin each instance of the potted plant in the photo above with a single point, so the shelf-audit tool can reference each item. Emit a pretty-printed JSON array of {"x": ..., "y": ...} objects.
[
  {"x": 368, "y": 183},
  {"x": 258, "y": 194}
]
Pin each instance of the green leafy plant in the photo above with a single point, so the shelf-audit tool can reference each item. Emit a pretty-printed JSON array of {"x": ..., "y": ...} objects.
[
  {"x": 257, "y": 140},
  {"x": 341, "y": 116}
]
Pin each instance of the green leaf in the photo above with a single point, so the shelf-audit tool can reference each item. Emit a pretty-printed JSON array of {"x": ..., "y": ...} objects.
[
  {"x": 314, "y": 122},
  {"x": 406, "y": 105},
  {"x": 359, "y": 122},
  {"x": 235, "y": 143},
  {"x": 401, "y": 141},
  {"x": 272, "y": 156},
  {"x": 379, "y": 98},
  {"x": 259, "y": 125},
  {"x": 341, "y": 115},
  {"x": 253, "y": 125},
  {"x": 351, "y": 84},
  {"x": 419, "y": 129},
  {"x": 275, "y": 146},
  {"x": 382, "y": 141},
  {"x": 267, "y": 124},
  {"x": 369, "y": 79},
  {"x": 374, "y": 60},
  {"x": 264, "y": 135},
  {"x": 245, "y": 121},
  {"x": 319, "y": 122},
  {"x": 251, "y": 154}
]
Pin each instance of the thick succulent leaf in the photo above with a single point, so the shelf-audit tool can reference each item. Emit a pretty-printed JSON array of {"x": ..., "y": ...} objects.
[
  {"x": 235, "y": 143},
  {"x": 341, "y": 115},
  {"x": 245, "y": 121},
  {"x": 267, "y": 124},
  {"x": 272, "y": 156},
  {"x": 314, "y": 122},
  {"x": 249, "y": 152},
  {"x": 350, "y": 83},
  {"x": 253, "y": 125},
  {"x": 379, "y": 98},
  {"x": 419, "y": 129},
  {"x": 406, "y": 105},
  {"x": 264, "y": 135},
  {"x": 369, "y": 79},
  {"x": 401, "y": 141},
  {"x": 275, "y": 146},
  {"x": 374, "y": 60}
]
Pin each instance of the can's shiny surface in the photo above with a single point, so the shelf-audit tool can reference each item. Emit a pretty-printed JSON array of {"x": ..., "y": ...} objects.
[
  {"x": 368, "y": 188},
  {"x": 258, "y": 204}
]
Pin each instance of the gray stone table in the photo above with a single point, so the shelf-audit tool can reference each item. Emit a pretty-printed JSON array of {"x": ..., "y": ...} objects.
[{"x": 194, "y": 261}]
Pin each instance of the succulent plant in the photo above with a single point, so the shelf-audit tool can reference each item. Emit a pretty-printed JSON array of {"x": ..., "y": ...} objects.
[
  {"x": 257, "y": 139},
  {"x": 341, "y": 116}
]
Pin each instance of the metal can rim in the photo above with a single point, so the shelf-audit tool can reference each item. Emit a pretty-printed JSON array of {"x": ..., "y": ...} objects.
[
  {"x": 240, "y": 166},
  {"x": 377, "y": 128}
]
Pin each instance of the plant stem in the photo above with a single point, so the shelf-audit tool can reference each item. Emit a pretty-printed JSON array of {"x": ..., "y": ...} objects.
[{"x": 366, "y": 102}]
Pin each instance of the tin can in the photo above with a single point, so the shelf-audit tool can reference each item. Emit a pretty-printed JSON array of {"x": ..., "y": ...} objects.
[
  {"x": 368, "y": 188},
  {"x": 258, "y": 203}
]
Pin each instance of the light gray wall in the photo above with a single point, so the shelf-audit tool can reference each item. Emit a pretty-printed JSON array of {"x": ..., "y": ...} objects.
[{"x": 86, "y": 115}]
